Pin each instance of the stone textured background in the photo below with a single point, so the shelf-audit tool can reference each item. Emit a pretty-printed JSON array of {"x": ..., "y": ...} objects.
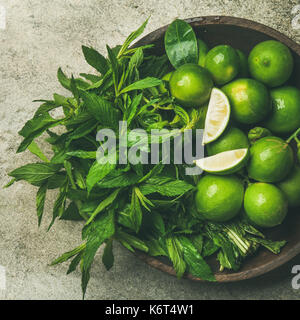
[{"x": 39, "y": 37}]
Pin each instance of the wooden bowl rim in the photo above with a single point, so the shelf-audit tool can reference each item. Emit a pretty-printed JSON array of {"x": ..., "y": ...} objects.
[{"x": 281, "y": 258}]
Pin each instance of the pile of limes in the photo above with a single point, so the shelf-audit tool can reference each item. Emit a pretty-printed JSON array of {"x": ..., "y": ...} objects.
[{"x": 253, "y": 115}]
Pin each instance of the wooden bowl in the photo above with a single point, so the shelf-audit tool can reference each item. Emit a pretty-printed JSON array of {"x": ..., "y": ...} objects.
[{"x": 244, "y": 35}]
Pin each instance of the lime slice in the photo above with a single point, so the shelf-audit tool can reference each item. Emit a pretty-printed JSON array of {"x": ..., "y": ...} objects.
[
  {"x": 226, "y": 162},
  {"x": 217, "y": 117}
]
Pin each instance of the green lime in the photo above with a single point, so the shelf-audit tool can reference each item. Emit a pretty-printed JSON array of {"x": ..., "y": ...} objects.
[
  {"x": 243, "y": 64},
  {"x": 249, "y": 100},
  {"x": 219, "y": 198},
  {"x": 271, "y": 160},
  {"x": 285, "y": 117},
  {"x": 271, "y": 62},
  {"x": 233, "y": 138},
  {"x": 223, "y": 63},
  {"x": 191, "y": 85},
  {"x": 291, "y": 187},
  {"x": 162, "y": 88},
  {"x": 202, "y": 49},
  {"x": 265, "y": 205}
]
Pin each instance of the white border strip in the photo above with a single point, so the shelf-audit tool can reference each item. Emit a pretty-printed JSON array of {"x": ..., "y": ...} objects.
[{"x": 2, "y": 278}]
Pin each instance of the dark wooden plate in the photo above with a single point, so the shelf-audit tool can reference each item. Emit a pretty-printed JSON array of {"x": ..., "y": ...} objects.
[{"x": 242, "y": 34}]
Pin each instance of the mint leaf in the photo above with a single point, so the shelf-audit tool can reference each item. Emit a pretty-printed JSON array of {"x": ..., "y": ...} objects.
[
  {"x": 74, "y": 263},
  {"x": 82, "y": 154},
  {"x": 34, "y": 128},
  {"x": 165, "y": 186},
  {"x": 156, "y": 248},
  {"x": 101, "y": 109},
  {"x": 134, "y": 63},
  {"x": 35, "y": 149},
  {"x": 273, "y": 246},
  {"x": 45, "y": 108},
  {"x": 40, "y": 201},
  {"x": 103, "y": 205},
  {"x": 132, "y": 37},
  {"x": 74, "y": 90},
  {"x": 197, "y": 241},
  {"x": 196, "y": 264},
  {"x": 35, "y": 173},
  {"x": 156, "y": 67},
  {"x": 63, "y": 79},
  {"x": 83, "y": 195},
  {"x": 115, "y": 68},
  {"x": 10, "y": 183},
  {"x": 209, "y": 248},
  {"x": 153, "y": 225},
  {"x": 182, "y": 114},
  {"x": 59, "y": 205},
  {"x": 148, "y": 82},
  {"x": 91, "y": 77},
  {"x": 57, "y": 180},
  {"x": 81, "y": 131},
  {"x": 156, "y": 170},
  {"x": 131, "y": 111},
  {"x": 131, "y": 240},
  {"x": 108, "y": 256},
  {"x": 176, "y": 255},
  {"x": 66, "y": 82},
  {"x": 71, "y": 213},
  {"x": 136, "y": 213},
  {"x": 97, "y": 172},
  {"x": 95, "y": 234},
  {"x": 227, "y": 257},
  {"x": 68, "y": 255},
  {"x": 95, "y": 59},
  {"x": 118, "y": 179}
]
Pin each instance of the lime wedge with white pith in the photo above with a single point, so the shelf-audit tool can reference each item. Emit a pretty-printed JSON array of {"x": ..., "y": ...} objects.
[
  {"x": 217, "y": 116},
  {"x": 226, "y": 162}
]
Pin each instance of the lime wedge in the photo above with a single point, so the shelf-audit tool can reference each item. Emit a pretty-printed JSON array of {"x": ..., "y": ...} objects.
[
  {"x": 217, "y": 116},
  {"x": 226, "y": 162}
]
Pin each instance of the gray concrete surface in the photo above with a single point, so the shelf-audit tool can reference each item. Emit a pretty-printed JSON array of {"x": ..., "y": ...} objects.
[{"x": 39, "y": 37}]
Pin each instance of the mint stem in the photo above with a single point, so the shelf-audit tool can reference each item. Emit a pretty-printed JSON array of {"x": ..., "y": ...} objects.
[{"x": 294, "y": 136}]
